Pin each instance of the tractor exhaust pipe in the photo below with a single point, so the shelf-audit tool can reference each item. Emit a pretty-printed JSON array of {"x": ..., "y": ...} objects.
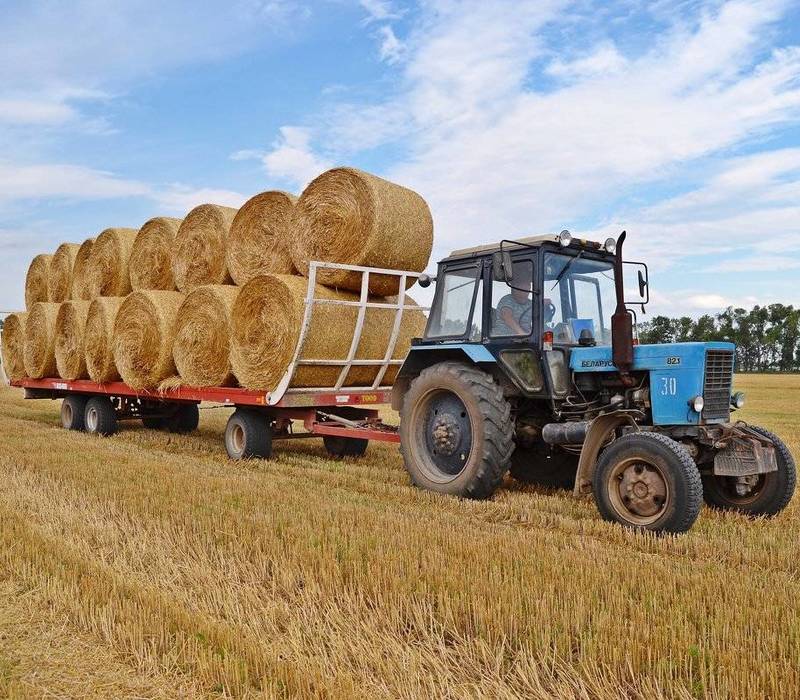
[
  {"x": 621, "y": 322},
  {"x": 571, "y": 433}
]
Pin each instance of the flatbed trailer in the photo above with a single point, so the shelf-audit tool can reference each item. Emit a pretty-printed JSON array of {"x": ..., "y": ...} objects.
[
  {"x": 347, "y": 418},
  {"x": 350, "y": 415}
]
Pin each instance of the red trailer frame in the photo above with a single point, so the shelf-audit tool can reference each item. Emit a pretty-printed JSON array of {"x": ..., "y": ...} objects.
[{"x": 360, "y": 419}]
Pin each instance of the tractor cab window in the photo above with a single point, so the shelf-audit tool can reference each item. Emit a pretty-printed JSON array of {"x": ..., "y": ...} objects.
[
  {"x": 512, "y": 306},
  {"x": 452, "y": 312},
  {"x": 578, "y": 298}
]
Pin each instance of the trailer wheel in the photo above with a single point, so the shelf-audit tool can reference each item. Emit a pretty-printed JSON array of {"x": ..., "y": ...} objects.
[
  {"x": 73, "y": 409},
  {"x": 100, "y": 416},
  {"x": 762, "y": 494},
  {"x": 248, "y": 435},
  {"x": 647, "y": 481},
  {"x": 543, "y": 466},
  {"x": 339, "y": 447},
  {"x": 456, "y": 432},
  {"x": 185, "y": 419}
]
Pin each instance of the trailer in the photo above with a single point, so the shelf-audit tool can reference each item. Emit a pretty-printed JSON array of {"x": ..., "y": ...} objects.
[{"x": 347, "y": 418}]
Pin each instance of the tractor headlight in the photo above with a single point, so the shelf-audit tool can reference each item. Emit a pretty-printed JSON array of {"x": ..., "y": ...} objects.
[
  {"x": 697, "y": 404},
  {"x": 610, "y": 245},
  {"x": 737, "y": 400},
  {"x": 564, "y": 238}
]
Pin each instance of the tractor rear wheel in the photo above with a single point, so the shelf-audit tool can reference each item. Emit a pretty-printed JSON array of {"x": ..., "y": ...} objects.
[
  {"x": 544, "y": 466},
  {"x": 456, "y": 433},
  {"x": 647, "y": 481},
  {"x": 760, "y": 494}
]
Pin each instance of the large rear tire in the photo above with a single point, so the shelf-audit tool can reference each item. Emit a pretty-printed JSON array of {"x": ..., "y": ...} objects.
[
  {"x": 764, "y": 494},
  {"x": 647, "y": 481},
  {"x": 544, "y": 466},
  {"x": 456, "y": 433}
]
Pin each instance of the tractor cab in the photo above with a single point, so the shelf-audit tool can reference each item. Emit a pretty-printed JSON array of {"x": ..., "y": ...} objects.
[{"x": 529, "y": 365}]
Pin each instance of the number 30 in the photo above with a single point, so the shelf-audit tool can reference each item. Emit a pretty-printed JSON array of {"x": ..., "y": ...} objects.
[{"x": 669, "y": 386}]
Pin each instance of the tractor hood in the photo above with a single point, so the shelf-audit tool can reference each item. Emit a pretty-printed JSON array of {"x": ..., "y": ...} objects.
[{"x": 678, "y": 373}]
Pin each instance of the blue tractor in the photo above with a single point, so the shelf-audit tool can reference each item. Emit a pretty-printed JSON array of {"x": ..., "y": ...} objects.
[{"x": 529, "y": 365}]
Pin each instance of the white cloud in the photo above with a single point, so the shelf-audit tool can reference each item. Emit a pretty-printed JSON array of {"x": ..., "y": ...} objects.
[
  {"x": 292, "y": 159},
  {"x": 379, "y": 10},
  {"x": 181, "y": 199},
  {"x": 756, "y": 263},
  {"x": 604, "y": 60},
  {"x": 392, "y": 48}
]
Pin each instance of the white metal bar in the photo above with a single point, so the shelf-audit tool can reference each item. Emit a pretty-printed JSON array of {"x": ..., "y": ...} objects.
[
  {"x": 398, "y": 317},
  {"x": 362, "y": 310}
]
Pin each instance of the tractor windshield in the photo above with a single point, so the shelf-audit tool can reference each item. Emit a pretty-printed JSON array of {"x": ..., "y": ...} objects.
[{"x": 578, "y": 298}]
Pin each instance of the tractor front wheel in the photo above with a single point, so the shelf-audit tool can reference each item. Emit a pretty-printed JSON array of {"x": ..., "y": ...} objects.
[
  {"x": 760, "y": 494},
  {"x": 456, "y": 433},
  {"x": 647, "y": 481}
]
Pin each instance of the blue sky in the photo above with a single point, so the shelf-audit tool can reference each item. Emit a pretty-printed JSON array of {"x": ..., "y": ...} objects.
[{"x": 679, "y": 121}]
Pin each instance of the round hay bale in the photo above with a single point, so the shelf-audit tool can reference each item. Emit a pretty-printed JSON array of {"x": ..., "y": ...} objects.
[
  {"x": 143, "y": 335},
  {"x": 266, "y": 321},
  {"x": 202, "y": 336},
  {"x": 13, "y": 345},
  {"x": 150, "y": 265},
  {"x": 79, "y": 269},
  {"x": 260, "y": 237},
  {"x": 37, "y": 280},
  {"x": 70, "y": 329},
  {"x": 107, "y": 273},
  {"x": 199, "y": 253},
  {"x": 348, "y": 216},
  {"x": 97, "y": 339},
  {"x": 59, "y": 284},
  {"x": 40, "y": 340}
]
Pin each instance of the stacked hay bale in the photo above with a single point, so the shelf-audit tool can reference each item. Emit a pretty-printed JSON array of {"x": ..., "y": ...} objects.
[{"x": 108, "y": 309}]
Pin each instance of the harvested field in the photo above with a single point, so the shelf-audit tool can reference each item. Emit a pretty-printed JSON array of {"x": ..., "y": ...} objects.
[{"x": 147, "y": 565}]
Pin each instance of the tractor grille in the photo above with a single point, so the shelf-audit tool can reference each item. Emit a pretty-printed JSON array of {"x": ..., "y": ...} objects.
[{"x": 717, "y": 385}]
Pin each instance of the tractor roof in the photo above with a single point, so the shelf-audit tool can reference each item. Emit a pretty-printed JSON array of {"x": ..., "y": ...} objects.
[{"x": 491, "y": 247}]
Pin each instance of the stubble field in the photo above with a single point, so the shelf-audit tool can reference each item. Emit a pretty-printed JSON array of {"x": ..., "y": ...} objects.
[{"x": 147, "y": 565}]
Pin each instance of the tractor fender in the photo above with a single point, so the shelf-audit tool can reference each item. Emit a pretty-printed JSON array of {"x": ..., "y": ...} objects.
[
  {"x": 599, "y": 431},
  {"x": 423, "y": 356}
]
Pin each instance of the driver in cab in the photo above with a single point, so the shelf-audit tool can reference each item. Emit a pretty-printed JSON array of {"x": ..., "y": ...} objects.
[{"x": 514, "y": 310}]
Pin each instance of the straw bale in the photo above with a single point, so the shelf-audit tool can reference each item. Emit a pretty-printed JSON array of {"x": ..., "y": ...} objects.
[
  {"x": 79, "y": 269},
  {"x": 61, "y": 266},
  {"x": 349, "y": 216},
  {"x": 150, "y": 265},
  {"x": 70, "y": 329},
  {"x": 143, "y": 336},
  {"x": 13, "y": 346},
  {"x": 266, "y": 322},
  {"x": 202, "y": 336},
  {"x": 107, "y": 274},
  {"x": 199, "y": 253},
  {"x": 98, "y": 338},
  {"x": 260, "y": 237},
  {"x": 37, "y": 280},
  {"x": 40, "y": 335}
]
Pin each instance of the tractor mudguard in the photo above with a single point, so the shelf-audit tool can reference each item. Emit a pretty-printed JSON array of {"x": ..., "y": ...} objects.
[{"x": 599, "y": 431}]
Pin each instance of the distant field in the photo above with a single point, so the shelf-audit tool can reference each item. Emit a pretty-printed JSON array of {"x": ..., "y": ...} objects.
[{"x": 148, "y": 565}]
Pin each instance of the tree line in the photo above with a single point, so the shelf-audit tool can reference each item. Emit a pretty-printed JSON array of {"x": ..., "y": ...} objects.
[{"x": 767, "y": 337}]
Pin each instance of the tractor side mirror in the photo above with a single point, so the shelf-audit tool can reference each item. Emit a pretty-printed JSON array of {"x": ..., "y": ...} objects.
[
  {"x": 642, "y": 285},
  {"x": 502, "y": 267}
]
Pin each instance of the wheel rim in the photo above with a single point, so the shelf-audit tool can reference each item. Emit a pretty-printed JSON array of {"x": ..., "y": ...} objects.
[
  {"x": 638, "y": 491},
  {"x": 66, "y": 413},
  {"x": 443, "y": 435},
  {"x": 237, "y": 438},
  {"x": 91, "y": 419}
]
